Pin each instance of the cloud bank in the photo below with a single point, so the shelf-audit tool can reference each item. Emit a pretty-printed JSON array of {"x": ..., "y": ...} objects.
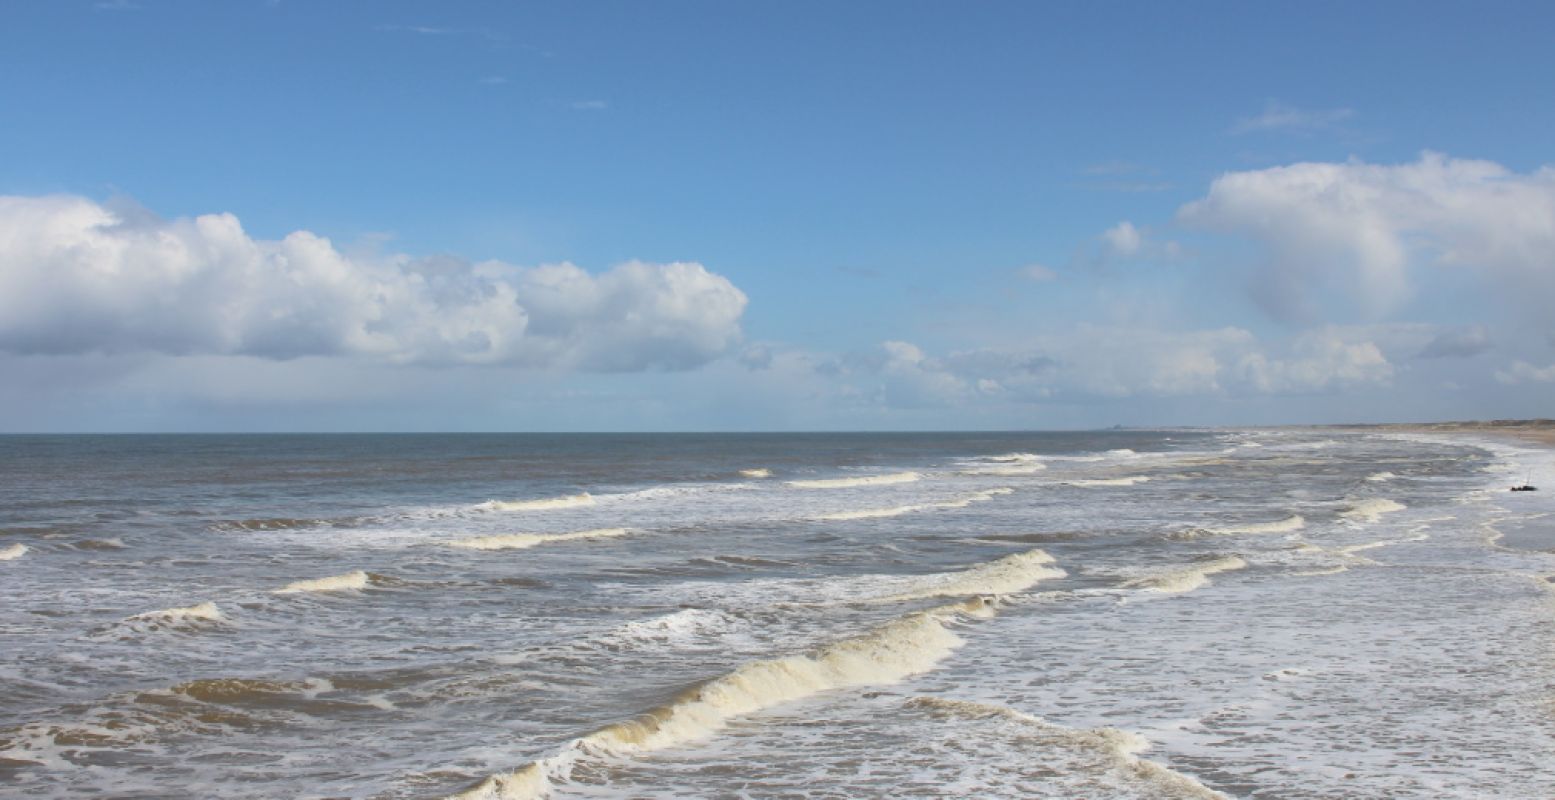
[
  {"x": 1108, "y": 362},
  {"x": 1352, "y": 233},
  {"x": 79, "y": 277}
]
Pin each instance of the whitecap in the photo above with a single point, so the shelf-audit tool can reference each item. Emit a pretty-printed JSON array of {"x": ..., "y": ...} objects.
[
  {"x": 333, "y": 583},
  {"x": 521, "y": 541},
  {"x": 848, "y": 483},
  {"x": 542, "y": 504}
]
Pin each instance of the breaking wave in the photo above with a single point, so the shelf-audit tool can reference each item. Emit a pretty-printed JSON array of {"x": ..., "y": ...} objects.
[
  {"x": 846, "y": 483},
  {"x": 286, "y": 524},
  {"x": 1186, "y": 579},
  {"x": 1295, "y": 522},
  {"x": 543, "y": 504},
  {"x": 1012, "y": 573},
  {"x": 1371, "y": 509},
  {"x": 1006, "y": 470},
  {"x": 203, "y": 611},
  {"x": 756, "y": 473},
  {"x": 1129, "y": 481},
  {"x": 249, "y": 691},
  {"x": 521, "y": 541},
  {"x": 896, "y": 511},
  {"x": 906, "y": 646},
  {"x": 113, "y": 543},
  {"x": 334, "y": 583},
  {"x": 1381, "y": 476},
  {"x": 1118, "y": 748},
  {"x": 193, "y": 617},
  {"x": 14, "y": 551},
  {"x": 686, "y": 626},
  {"x": 1012, "y": 458}
]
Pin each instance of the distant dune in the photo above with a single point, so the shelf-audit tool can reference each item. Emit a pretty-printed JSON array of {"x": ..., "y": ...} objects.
[{"x": 1533, "y": 430}]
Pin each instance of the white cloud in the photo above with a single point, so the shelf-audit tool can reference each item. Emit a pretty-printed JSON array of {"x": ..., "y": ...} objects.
[
  {"x": 1122, "y": 239},
  {"x": 1458, "y": 343},
  {"x": 1524, "y": 372},
  {"x": 78, "y": 277},
  {"x": 1322, "y": 360},
  {"x": 1111, "y": 362},
  {"x": 1359, "y": 229},
  {"x": 912, "y": 380},
  {"x": 1038, "y": 273},
  {"x": 1282, "y": 117},
  {"x": 1126, "y": 241}
]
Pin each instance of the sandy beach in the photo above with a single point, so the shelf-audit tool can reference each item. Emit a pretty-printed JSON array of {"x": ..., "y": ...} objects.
[{"x": 1538, "y": 431}]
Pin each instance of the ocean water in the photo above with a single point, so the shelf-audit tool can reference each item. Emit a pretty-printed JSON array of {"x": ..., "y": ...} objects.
[{"x": 1124, "y": 614}]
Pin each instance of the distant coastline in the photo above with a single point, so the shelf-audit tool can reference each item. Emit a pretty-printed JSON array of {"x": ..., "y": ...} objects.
[{"x": 1539, "y": 431}]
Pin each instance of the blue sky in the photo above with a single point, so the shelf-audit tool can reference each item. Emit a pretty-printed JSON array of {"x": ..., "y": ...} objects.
[{"x": 885, "y": 215}]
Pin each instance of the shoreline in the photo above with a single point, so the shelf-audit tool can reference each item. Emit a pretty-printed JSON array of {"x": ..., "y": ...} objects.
[{"x": 1533, "y": 431}]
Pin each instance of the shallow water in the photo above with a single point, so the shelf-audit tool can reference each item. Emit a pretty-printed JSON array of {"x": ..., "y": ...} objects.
[{"x": 1123, "y": 614}]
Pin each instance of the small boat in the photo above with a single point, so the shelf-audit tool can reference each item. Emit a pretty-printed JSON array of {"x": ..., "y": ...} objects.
[{"x": 1527, "y": 487}]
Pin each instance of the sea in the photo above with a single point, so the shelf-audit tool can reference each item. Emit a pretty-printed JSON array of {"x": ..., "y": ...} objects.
[{"x": 1282, "y": 613}]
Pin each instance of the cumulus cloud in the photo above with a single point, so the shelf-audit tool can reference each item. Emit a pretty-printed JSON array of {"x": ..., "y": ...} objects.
[
  {"x": 1458, "y": 343},
  {"x": 1321, "y": 360},
  {"x": 1125, "y": 241},
  {"x": 756, "y": 357},
  {"x": 1359, "y": 229},
  {"x": 79, "y": 277},
  {"x": 1037, "y": 273},
  {"x": 1111, "y": 362},
  {"x": 1524, "y": 372},
  {"x": 912, "y": 380},
  {"x": 1122, "y": 239}
]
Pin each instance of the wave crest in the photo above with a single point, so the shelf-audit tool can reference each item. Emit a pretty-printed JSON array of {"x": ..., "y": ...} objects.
[
  {"x": 1371, "y": 509},
  {"x": 896, "y": 511},
  {"x": 1012, "y": 573},
  {"x": 523, "y": 541},
  {"x": 1119, "y": 748},
  {"x": 14, "y": 551},
  {"x": 1186, "y": 579},
  {"x": 188, "y": 615},
  {"x": 334, "y": 583},
  {"x": 846, "y": 483},
  {"x": 1295, "y": 522},
  {"x": 542, "y": 504},
  {"x": 906, "y": 646},
  {"x": 1128, "y": 481}
]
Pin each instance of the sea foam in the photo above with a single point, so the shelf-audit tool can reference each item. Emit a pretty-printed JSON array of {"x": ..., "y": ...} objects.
[
  {"x": 1119, "y": 749},
  {"x": 1128, "y": 481},
  {"x": 847, "y": 483},
  {"x": 896, "y": 511},
  {"x": 906, "y": 646},
  {"x": 1371, "y": 509},
  {"x": 1012, "y": 573},
  {"x": 206, "y": 612},
  {"x": 542, "y": 504},
  {"x": 1188, "y": 578},
  {"x": 14, "y": 551},
  {"x": 1294, "y": 522},
  {"x": 522, "y": 541},
  {"x": 334, "y": 583}
]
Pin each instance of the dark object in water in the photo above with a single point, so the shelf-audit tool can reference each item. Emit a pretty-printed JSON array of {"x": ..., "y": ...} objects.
[{"x": 1527, "y": 487}]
